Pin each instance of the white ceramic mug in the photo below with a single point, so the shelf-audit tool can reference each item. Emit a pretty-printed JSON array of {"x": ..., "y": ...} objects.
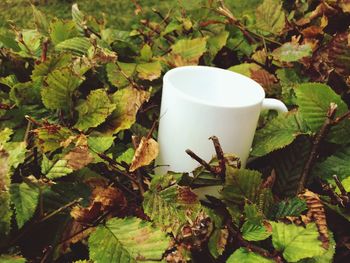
[{"x": 199, "y": 102}]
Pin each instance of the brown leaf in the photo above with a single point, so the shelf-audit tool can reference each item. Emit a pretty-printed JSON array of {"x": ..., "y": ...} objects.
[
  {"x": 103, "y": 199},
  {"x": 145, "y": 153},
  {"x": 345, "y": 5},
  {"x": 266, "y": 80},
  {"x": 73, "y": 233},
  {"x": 312, "y": 31},
  {"x": 186, "y": 196},
  {"x": 270, "y": 181},
  {"x": 79, "y": 157},
  {"x": 317, "y": 213},
  {"x": 4, "y": 178}
]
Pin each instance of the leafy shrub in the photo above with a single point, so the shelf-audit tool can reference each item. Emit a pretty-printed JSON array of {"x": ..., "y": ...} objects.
[{"x": 79, "y": 102}]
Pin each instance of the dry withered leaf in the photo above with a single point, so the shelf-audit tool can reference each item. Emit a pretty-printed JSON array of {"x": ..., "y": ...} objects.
[
  {"x": 186, "y": 196},
  {"x": 103, "y": 199},
  {"x": 3, "y": 171},
  {"x": 316, "y": 212},
  {"x": 270, "y": 180},
  {"x": 266, "y": 80},
  {"x": 79, "y": 157},
  {"x": 145, "y": 153},
  {"x": 312, "y": 31},
  {"x": 73, "y": 233}
]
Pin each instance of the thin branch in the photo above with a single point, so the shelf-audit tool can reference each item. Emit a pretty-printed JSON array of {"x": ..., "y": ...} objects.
[
  {"x": 32, "y": 120},
  {"x": 156, "y": 30},
  {"x": 59, "y": 210},
  {"x": 316, "y": 143},
  {"x": 339, "y": 119},
  {"x": 201, "y": 161},
  {"x": 220, "y": 156},
  {"x": 340, "y": 185},
  {"x": 44, "y": 50},
  {"x": 265, "y": 253},
  {"x": 114, "y": 164},
  {"x": 133, "y": 83}
]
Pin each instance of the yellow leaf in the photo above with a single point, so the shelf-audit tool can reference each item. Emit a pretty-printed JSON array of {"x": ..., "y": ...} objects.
[{"x": 145, "y": 153}]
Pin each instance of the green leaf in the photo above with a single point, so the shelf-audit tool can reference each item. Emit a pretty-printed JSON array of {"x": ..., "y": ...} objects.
[
  {"x": 116, "y": 77},
  {"x": 100, "y": 143},
  {"x": 31, "y": 44},
  {"x": 5, "y": 209},
  {"x": 128, "y": 101},
  {"x": 245, "y": 68},
  {"x": 58, "y": 169},
  {"x": 75, "y": 45},
  {"x": 5, "y": 135},
  {"x": 292, "y": 207},
  {"x": 187, "y": 51},
  {"x": 54, "y": 62},
  {"x": 288, "y": 164},
  {"x": 62, "y": 193},
  {"x": 241, "y": 185},
  {"x": 126, "y": 156},
  {"x": 252, "y": 232},
  {"x": 25, "y": 197},
  {"x": 314, "y": 100},
  {"x": 278, "y": 133},
  {"x": 60, "y": 87},
  {"x": 217, "y": 42},
  {"x": 326, "y": 257},
  {"x": 9, "y": 80},
  {"x": 149, "y": 71},
  {"x": 17, "y": 153},
  {"x": 49, "y": 138},
  {"x": 12, "y": 259},
  {"x": 242, "y": 255},
  {"x": 127, "y": 240},
  {"x": 289, "y": 78},
  {"x": 296, "y": 242},
  {"x": 270, "y": 17},
  {"x": 62, "y": 30},
  {"x": 8, "y": 40},
  {"x": 40, "y": 20},
  {"x": 26, "y": 93},
  {"x": 146, "y": 53},
  {"x": 167, "y": 204},
  {"x": 337, "y": 164},
  {"x": 290, "y": 52},
  {"x": 94, "y": 110}
]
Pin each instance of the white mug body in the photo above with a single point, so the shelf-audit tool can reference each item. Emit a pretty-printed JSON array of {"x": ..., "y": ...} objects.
[{"x": 199, "y": 102}]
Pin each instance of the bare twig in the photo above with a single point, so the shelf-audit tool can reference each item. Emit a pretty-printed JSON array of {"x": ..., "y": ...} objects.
[
  {"x": 339, "y": 119},
  {"x": 201, "y": 161},
  {"x": 44, "y": 50},
  {"x": 265, "y": 253},
  {"x": 132, "y": 82},
  {"x": 156, "y": 30},
  {"x": 32, "y": 120},
  {"x": 114, "y": 164},
  {"x": 340, "y": 185},
  {"x": 220, "y": 155},
  {"x": 316, "y": 143},
  {"x": 165, "y": 19},
  {"x": 59, "y": 210}
]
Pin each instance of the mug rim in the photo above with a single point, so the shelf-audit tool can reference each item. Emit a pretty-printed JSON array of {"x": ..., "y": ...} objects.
[{"x": 169, "y": 73}]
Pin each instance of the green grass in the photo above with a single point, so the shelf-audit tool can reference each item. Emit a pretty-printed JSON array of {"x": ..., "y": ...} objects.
[{"x": 118, "y": 13}]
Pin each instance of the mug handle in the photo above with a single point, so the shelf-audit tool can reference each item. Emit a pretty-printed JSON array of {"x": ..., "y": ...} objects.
[{"x": 273, "y": 104}]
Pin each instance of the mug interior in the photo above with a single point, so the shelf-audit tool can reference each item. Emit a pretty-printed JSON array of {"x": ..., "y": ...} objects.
[{"x": 214, "y": 86}]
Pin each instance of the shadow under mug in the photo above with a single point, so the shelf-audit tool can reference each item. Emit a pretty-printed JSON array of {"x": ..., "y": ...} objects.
[{"x": 199, "y": 102}]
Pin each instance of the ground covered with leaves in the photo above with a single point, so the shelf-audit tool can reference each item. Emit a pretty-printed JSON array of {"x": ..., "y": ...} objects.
[{"x": 79, "y": 105}]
